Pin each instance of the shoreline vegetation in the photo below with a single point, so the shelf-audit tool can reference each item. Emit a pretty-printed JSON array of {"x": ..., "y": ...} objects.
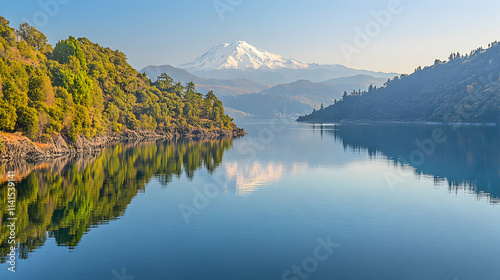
[
  {"x": 78, "y": 97},
  {"x": 362, "y": 122}
]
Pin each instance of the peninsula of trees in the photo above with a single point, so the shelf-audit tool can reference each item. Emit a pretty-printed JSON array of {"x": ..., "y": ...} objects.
[
  {"x": 464, "y": 89},
  {"x": 80, "y": 88}
]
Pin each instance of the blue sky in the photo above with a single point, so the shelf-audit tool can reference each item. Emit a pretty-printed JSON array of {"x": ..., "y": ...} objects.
[{"x": 174, "y": 32}]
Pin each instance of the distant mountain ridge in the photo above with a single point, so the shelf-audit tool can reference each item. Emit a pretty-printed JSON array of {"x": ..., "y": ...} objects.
[
  {"x": 220, "y": 87},
  {"x": 305, "y": 94},
  {"x": 305, "y": 91},
  {"x": 265, "y": 106}
]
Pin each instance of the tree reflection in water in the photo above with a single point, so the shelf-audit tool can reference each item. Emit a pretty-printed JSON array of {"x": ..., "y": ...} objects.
[{"x": 65, "y": 198}]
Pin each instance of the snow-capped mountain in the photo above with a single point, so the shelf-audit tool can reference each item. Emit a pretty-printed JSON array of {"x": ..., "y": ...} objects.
[
  {"x": 240, "y": 55},
  {"x": 240, "y": 60}
]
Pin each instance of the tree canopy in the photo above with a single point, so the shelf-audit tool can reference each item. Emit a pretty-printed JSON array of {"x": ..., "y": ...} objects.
[{"x": 81, "y": 88}]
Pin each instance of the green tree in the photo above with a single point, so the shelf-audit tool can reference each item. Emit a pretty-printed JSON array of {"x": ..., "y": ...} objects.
[
  {"x": 33, "y": 37},
  {"x": 8, "y": 116},
  {"x": 190, "y": 87},
  {"x": 66, "y": 50},
  {"x": 37, "y": 88},
  {"x": 27, "y": 121},
  {"x": 164, "y": 81}
]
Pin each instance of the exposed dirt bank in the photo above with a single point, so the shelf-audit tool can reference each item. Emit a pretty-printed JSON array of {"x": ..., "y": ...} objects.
[{"x": 17, "y": 146}]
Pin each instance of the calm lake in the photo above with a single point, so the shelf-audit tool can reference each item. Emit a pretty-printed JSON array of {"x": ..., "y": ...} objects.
[{"x": 287, "y": 201}]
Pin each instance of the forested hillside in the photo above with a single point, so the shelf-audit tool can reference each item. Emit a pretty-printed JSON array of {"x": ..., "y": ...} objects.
[
  {"x": 81, "y": 88},
  {"x": 466, "y": 88},
  {"x": 307, "y": 92}
]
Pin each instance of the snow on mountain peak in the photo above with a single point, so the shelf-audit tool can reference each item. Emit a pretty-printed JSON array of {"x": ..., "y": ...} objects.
[{"x": 242, "y": 56}]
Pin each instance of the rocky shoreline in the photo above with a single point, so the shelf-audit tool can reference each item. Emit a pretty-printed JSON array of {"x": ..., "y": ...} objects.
[{"x": 18, "y": 147}]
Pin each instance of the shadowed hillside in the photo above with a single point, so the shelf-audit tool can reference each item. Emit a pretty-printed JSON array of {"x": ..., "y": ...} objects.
[{"x": 464, "y": 89}]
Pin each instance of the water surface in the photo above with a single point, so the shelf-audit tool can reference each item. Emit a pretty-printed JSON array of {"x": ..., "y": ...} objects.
[{"x": 396, "y": 203}]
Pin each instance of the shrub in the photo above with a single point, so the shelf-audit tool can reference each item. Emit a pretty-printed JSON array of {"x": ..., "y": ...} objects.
[
  {"x": 8, "y": 117},
  {"x": 27, "y": 121},
  {"x": 2, "y": 146}
]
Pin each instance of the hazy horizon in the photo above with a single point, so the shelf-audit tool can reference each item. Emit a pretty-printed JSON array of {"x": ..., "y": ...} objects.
[{"x": 159, "y": 32}]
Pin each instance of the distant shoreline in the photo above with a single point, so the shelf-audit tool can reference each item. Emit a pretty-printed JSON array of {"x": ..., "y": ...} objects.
[{"x": 399, "y": 122}]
